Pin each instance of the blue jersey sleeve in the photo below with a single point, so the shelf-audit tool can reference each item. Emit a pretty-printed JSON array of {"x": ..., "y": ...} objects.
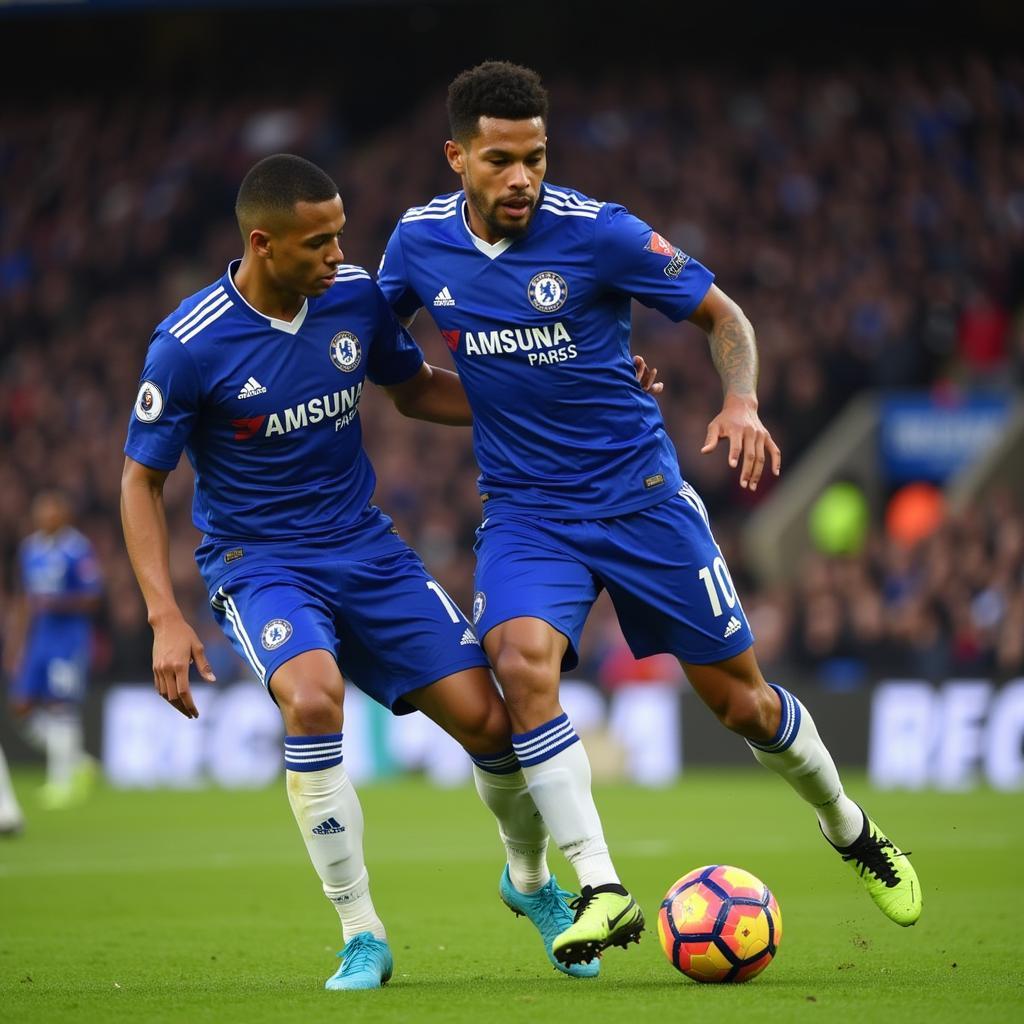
[
  {"x": 394, "y": 355},
  {"x": 166, "y": 407},
  {"x": 633, "y": 258},
  {"x": 391, "y": 276}
]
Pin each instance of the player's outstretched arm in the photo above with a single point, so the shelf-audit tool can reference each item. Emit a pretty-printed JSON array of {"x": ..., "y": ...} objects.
[
  {"x": 432, "y": 394},
  {"x": 175, "y": 643},
  {"x": 734, "y": 352}
]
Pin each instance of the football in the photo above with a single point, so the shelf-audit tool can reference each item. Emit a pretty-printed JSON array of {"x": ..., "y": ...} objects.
[{"x": 719, "y": 923}]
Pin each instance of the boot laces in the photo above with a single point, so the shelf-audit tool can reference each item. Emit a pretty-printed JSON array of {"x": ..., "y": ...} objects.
[
  {"x": 582, "y": 901},
  {"x": 872, "y": 854}
]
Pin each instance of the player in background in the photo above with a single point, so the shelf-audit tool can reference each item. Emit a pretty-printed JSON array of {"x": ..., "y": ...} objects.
[
  {"x": 12, "y": 821},
  {"x": 257, "y": 378},
  {"x": 50, "y": 644},
  {"x": 531, "y": 287}
]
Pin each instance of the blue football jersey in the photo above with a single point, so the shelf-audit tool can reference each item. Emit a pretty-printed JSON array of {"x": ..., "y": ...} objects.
[
  {"x": 539, "y": 330},
  {"x": 53, "y": 566},
  {"x": 267, "y": 411}
]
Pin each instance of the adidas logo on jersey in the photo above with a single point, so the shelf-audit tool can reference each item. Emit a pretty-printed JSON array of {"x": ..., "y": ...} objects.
[
  {"x": 444, "y": 297},
  {"x": 733, "y": 627},
  {"x": 469, "y": 637},
  {"x": 328, "y": 827},
  {"x": 251, "y": 388}
]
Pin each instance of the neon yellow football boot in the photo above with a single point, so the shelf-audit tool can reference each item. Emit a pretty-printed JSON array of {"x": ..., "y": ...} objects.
[
  {"x": 886, "y": 873},
  {"x": 605, "y": 916}
]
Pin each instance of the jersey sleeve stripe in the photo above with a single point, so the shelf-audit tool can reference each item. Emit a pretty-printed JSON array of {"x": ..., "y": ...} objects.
[
  {"x": 433, "y": 215},
  {"x": 434, "y": 205},
  {"x": 568, "y": 199},
  {"x": 568, "y": 213},
  {"x": 206, "y": 323},
  {"x": 198, "y": 314},
  {"x": 213, "y": 297}
]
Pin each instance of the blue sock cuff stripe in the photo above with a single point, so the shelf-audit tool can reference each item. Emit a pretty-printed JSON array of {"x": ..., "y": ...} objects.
[
  {"x": 505, "y": 763},
  {"x": 519, "y": 738},
  {"x": 789, "y": 724},
  {"x": 545, "y": 741},
  {"x": 312, "y": 753},
  {"x": 312, "y": 741}
]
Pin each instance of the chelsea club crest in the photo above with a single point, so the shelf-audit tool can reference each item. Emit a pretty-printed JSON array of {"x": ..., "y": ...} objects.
[
  {"x": 346, "y": 352},
  {"x": 275, "y": 633},
  {"x": 547, "y": 291}
]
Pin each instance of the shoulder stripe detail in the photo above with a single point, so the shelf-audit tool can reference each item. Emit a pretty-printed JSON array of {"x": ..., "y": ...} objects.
[
  {"x": 559, "y": 212},
  {"x": 348, "y": 275},
  {"x": 568, "y": 199},
  {"x": 433, "y": 205},
  {"x": 433, "y": 215},
  {"x": 206, "y": 323},
  {"x": 190, "y": 321},
  {"x": 196, "y": 311}
]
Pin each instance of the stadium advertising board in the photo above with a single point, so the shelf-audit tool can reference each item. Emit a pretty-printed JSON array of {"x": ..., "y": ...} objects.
[
  {"x": 909, "y": 734},
  {"x": 924, "y": 438}
]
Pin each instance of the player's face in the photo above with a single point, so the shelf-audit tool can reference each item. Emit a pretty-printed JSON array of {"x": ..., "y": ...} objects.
[
  {"x": 306, "y": 251},
  {"x": 502, "y": 168},
  {"x": 50, "y": 513}
]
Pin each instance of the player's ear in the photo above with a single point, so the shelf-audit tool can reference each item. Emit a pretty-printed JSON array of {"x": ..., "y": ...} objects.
[
  {"x": 259, "y": 242},
  {"x": 456, "y": 156}
]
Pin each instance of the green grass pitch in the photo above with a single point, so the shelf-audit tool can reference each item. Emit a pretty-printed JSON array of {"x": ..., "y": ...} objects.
[{"x": 202, "y": 906}]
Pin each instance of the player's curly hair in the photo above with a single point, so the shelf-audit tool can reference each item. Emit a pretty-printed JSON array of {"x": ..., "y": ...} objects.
[
  {"x": 496, "y": 88},
  {"x": 276, "y": 184}
]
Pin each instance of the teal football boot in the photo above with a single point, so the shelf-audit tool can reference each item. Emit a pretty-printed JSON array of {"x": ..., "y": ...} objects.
[
  {"x": 548, "y": 910},
  {"x": 365, "y": 963}
]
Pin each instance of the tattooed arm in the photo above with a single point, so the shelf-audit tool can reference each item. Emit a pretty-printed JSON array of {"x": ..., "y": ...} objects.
[{"x": 734, "y": 353}]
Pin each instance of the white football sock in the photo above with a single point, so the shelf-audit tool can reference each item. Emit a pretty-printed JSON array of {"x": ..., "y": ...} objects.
[
  {"x": 798, "y": 755},
  {"x": 557, "y": 771},
  {"x": 10, "y": 812},
  {"x": 520, "y": 824},
  {"x": 63, "y": 731},
  {"x": 330, "y": 819}
]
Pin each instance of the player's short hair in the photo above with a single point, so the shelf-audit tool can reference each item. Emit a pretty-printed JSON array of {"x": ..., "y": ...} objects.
[
  {"x": 275, "y": 184},
  {"x": 496, "y": 88}
]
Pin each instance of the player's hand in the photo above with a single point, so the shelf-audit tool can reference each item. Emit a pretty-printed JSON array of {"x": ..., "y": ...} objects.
[
  {"x": 646, "y": 376},
  {"x": 748, "y": 439},
  {"x": 175, "y": 647}
]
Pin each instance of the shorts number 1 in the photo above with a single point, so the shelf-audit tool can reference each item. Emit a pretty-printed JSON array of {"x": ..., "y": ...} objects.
[{"x": 724, "y": 584}]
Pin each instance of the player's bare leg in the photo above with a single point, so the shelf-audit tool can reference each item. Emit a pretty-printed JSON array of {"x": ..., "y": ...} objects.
[
  {"x": 310, "y": 692},
  {"x": 468, "y": 707},
  {"x": 782, "y": 736},
  {"x": 527, "y": 655}
]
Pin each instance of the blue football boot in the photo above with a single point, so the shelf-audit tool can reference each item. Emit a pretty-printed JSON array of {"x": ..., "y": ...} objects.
[
  {"x": 365, "y": 963},
  {"x": 548, "y": 909}
]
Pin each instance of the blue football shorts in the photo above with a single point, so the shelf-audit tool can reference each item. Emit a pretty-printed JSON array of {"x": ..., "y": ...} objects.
[
  {"x": 388, "y": 623},
  {"x": 47, "y": 676},
  {"x": 661, "y": 567}
]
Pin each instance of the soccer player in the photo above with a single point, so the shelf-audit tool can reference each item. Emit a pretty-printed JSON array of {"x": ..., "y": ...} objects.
[
  {"x": 51, "y": 644},
  {"x": 258, "y": 377},
  {"x": 531, "y": 286}
]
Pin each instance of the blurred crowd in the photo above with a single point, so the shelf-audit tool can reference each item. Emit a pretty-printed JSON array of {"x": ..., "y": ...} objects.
[{"x": 870, "y": 221}]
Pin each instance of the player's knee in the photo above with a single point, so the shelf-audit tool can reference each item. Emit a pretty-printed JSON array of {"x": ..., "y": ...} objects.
[
  {"x": 311, "y": 711},
  {"x": 486, "y": 728},
  {"x": 748, "y": 710},
  {"x": 525, "y": 668}
]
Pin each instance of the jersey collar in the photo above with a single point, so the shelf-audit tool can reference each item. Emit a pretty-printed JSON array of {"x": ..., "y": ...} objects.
[
  {"x": 287, "y": 326},
  {"x": 492, "y": 252}
]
